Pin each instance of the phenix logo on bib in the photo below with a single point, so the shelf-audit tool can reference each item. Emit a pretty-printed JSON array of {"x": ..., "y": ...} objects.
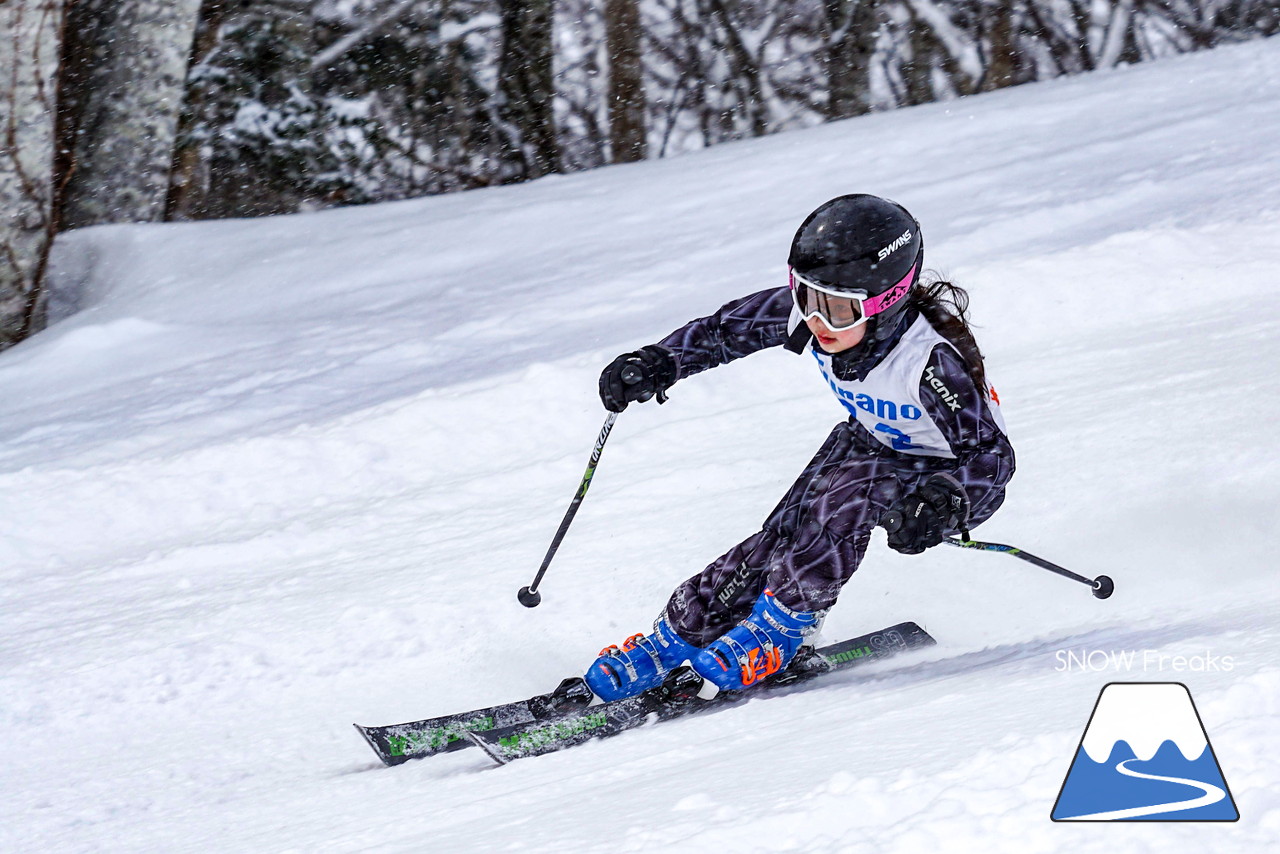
[{"x": 948, "y": 396}]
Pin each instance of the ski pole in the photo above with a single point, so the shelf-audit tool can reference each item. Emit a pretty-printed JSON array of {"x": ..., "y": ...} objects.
[
  {"x": 1102, "y": 586},
  {"x": 529, "y": 596}
]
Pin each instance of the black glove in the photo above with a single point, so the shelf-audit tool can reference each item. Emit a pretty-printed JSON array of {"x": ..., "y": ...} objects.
[
  {"x": 920, "y": 519},
  {"x": 637, "y": 376}
]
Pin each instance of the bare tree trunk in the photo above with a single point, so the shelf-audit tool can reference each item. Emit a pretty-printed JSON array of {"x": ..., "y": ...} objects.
[
  {"x": 853, "y": 25},
  {"x": 1059, "y": 44},
  {"x": 124, "y": 69},
  {"x": 526, "y": 87},
  {"x": 29, "y": 34},
  {"x": 625, "y": 39},
  {"x": 745, "y": 76},
  {"x": 1002, "y": 61},
  {"x": 1081, "y": 11},
  {"x": 1117, "y": 34},
  {"x": 189, "y": 175},
  {"x": 917, "y": 70}
]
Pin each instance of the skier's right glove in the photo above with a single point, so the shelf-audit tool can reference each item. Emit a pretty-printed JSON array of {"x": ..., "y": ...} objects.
[
  {"x": 920, "y": 519},
  {"x": 637, "y": 377}
]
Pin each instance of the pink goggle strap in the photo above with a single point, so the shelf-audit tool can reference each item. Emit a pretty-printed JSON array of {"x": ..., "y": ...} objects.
[{"x": 875, "y": 305}]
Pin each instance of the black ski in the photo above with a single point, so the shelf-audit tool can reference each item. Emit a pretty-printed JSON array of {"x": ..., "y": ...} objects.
[
  {"x": 678, "y": 696},
  {"x": 399, "y": 743}
]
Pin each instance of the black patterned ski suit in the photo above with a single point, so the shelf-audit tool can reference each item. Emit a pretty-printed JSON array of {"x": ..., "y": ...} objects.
[{"x": 815, "y": 538}]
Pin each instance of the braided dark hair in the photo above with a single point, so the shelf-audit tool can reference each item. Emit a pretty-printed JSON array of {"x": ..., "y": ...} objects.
[{"x": 946, "y": 306}]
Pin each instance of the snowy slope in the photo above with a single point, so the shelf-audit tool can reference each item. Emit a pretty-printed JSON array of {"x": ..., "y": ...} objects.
[{"x": 266, "y": 478}]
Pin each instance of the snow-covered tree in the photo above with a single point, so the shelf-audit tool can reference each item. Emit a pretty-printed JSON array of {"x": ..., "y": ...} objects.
[
  {"x": 294, "y": 104},
  {"x": 257, "y": 136}
]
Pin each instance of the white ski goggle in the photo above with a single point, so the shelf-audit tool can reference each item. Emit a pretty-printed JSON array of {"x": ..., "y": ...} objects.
[{"x": 843, "y": 310}]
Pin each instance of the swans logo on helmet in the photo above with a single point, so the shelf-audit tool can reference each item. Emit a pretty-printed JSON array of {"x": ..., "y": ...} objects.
[{"x": 896, "y": 245}]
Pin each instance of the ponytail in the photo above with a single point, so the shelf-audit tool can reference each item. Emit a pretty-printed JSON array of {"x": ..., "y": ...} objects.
[{"x": 946, "y": 307}]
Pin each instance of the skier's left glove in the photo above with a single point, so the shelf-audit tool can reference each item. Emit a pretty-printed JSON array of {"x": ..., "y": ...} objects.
[
  {"x": 920, "y": 519},
  {"x": 637, "y": 376}
]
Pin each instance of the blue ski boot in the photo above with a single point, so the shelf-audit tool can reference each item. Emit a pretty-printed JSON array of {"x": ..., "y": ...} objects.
[
  {"x": 640, "y": 664},
  {"x": 761, "y": 645}
]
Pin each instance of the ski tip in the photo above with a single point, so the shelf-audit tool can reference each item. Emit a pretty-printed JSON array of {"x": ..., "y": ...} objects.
[
  {"x": 915, "y": 630},
  {"x": 490, "y": 750},
  {"x": 378, "y": 748},
  {"x": 908, "y": 634},
  {"x": 368, "y": 737}
]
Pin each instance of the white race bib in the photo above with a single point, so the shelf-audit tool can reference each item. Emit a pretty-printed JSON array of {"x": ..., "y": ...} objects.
[{"x": 887, "y": 403}]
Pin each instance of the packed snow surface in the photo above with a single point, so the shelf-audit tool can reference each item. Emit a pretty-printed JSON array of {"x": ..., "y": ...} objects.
[{"x": 262, "y": 479}]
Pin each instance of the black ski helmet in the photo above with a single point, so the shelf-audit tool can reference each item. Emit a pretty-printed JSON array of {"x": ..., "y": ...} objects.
[{"x": 862, "y": 244}]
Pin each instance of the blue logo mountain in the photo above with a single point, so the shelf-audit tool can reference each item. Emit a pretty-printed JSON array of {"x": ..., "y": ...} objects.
[{"x": 1145, "y": 756}]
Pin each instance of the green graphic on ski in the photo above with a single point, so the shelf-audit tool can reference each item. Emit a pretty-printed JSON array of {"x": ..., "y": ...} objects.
[{"x": 399, "y": 743}]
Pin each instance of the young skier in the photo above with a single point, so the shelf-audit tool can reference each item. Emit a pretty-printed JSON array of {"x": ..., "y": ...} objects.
[{"x": 924, "y": 437}]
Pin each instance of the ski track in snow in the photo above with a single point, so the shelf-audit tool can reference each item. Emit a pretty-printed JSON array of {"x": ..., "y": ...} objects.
[{"x": 262, "y": 479}]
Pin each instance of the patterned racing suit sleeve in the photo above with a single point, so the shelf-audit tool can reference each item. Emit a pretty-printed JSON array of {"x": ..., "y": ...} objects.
[
  {"x": 984, "y": 458},
  {"x": 739, "y": 328}
]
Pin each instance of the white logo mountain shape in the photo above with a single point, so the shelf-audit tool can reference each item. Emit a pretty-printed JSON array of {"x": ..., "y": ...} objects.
[{"x": 1145, "y": 715}]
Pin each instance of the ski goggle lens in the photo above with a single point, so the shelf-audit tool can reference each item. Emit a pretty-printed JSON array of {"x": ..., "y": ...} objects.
[{"x": 838, "y": 312}]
